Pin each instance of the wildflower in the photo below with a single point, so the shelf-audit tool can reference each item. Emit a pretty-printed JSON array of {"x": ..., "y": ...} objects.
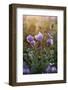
[
  {"x": 32, "y": 43},
  {"x": 39, "y": 36},
  {"x": 48, "y": 69},
  {"x": 26, "y": 69},
  {"x": 53, "y": 69},
  {"x": 29, "y": 38},
  {"x": 49, "y": 41}
]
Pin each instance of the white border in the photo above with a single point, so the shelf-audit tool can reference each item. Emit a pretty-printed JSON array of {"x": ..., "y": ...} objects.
[{"x": 40, "y": 77}]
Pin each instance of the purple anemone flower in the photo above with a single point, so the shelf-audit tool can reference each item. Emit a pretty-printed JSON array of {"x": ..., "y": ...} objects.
[
  {"x": 26, "y": 69},
  {"x": 39, "y": 36},
  {"x": 49, "y": 42},
  {"x": 51, "y": 69},
  {"x": 32, "y": 43},
  {"x": 29, "y": 38},
  {"x": 48, "y": 69}
]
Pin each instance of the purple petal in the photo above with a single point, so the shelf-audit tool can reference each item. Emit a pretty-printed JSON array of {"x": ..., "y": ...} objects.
[
  {"x": 32, "y": 43},
  {"x": 49, "y": 42},
  {"x": 26, "y": 69},
  {"x": 53, "y": 69},
  {"x": 48, "y": 69},
  {"x": 29, "y": 38},
  {"x": 39, "y": 36}
]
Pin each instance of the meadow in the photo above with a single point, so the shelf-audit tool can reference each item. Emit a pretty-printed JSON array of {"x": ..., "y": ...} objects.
[{"x": 39, "y": 44}]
